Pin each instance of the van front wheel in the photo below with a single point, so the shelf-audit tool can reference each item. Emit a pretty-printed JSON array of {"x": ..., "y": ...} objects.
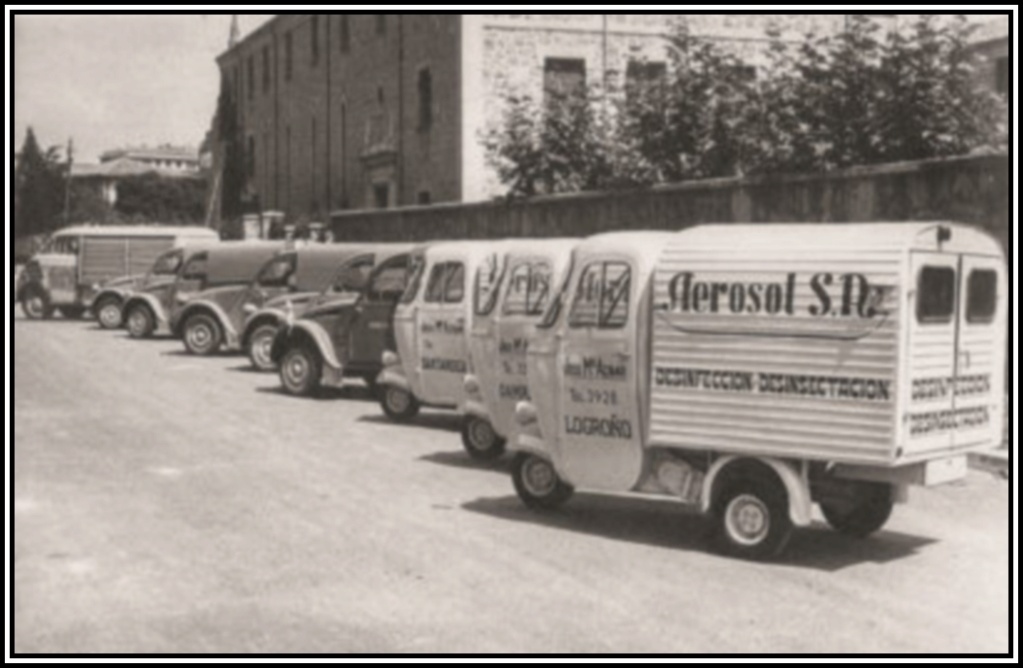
[
  {"x": 538, "y": 484},
  {"x": 480, "y": 440},
  {"x": 260, "y": 346},
  {"x": 108, "y": 313},
  {"x": 753, "y": 519},
  {"x": 398, "y": 403},
  {"x": 140, "y": 322},
  {"x": 863, "y": 515},
  {"x": 203, "y": 334},
  {"x": 35, "y": 304},
  {"x": 300, "y": 371}
]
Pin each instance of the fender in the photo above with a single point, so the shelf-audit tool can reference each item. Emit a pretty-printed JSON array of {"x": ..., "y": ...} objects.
[
  {"x": 320, "y": 338},
  {"x": 394, "y": 376},
  {"x": 473, "y": 403},
  {"x": 258, "y": 318},
  {"x": 475, "y": 408},
  {"x": 193, "y": 307},
  {"x": 531, "y": 444},
  {"x": 154, "y": 305},
  {"x": 796, "y": 485},
  {"x": 111, "y": 293}
]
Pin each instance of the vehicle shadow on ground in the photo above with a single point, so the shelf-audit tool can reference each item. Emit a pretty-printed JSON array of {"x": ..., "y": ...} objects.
[
  {"x": 184, "y": 353},
  {"x": 664, "y": 524},
  {"x": 460, "y": 460},
  {"x": 441, "y": 421},
  {"x": 348, "y": 392}
]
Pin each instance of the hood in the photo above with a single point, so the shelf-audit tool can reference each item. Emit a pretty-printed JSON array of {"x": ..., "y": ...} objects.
[
  {"x": 295, "y": 298},
  {"x": 157, "y": 283},
  {"x": 334, "y": 303},
  {"x": 124, "y": 281},
  {"x": 219, "y": 294}
]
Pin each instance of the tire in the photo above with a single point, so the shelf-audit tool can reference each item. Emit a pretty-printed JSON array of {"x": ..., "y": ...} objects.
[
  {"x": 864, "y": 515},
  {"x": 753, "y": 518},
  {"x": 480, "y": 440},
  {"x": 108, "y": 313},
  {"x": 537, "y": 483},
  {"x": 202, "y": 334},
  {"x": 35, "y": 304},
  {"x": 260, "y": 344},
  {"x": 399, "y": 404},
  {"x": 71, "y": 312},
  {"x": 140, "y": 322},
  {"x": 300, "y": 371}
]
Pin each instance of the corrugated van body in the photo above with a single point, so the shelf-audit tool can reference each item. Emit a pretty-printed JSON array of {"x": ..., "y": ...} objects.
[{"x": 780, "y": 340}]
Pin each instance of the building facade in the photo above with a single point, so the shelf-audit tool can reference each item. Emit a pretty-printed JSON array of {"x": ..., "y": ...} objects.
[{"x": 339, "y": 112}]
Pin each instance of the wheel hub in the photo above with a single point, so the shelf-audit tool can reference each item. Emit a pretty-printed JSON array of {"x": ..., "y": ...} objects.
[
  {"x": 110, "y": 315},
  {"x": 137, "y": 323},
  {"x": 261, "y": 349},
  {"x": 539, "y": 477},
  {"x": 296, "y": 369},
  {"x": 398, "y": 400},
  {"x": 481, "y": 434},
  {"x": 747, "y": 519}
]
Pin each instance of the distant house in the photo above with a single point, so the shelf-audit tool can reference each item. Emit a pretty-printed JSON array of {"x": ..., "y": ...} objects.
[
  {"x": 119, "y": 164},
  {"x": 989, "y": 44}
]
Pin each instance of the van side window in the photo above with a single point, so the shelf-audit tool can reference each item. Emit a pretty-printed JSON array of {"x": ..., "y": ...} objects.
[
  {"x": 276, "y": 273},
  {"x": 352, "y": 278},
  {"x": 981, "y": 296},
  {"x": 168, "y": 264},
  {"x": 454, "y": 287},
  {"x": 602, "y": 296},
  {"x": 553, "y": 312},
  {"x": 935, "y": 295},
  {"x": 529, "y": 289},
  {"x": 196, "y": 267},
  {"x": 416, "y": 267},
  {"x": 487, "y": 286},
  {"x": 435, "y": 286}
]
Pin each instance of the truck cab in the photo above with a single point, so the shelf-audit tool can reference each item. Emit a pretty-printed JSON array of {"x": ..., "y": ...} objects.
[
  {"x": 71, "y": 268},
  {"x": 751, "y": 371},
  {"x": 153, "y": 310},
  {"x": 431, "y": 326}
]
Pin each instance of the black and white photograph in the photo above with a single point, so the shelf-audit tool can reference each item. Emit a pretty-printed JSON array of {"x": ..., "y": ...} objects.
[{"x": 522, "y": 336}]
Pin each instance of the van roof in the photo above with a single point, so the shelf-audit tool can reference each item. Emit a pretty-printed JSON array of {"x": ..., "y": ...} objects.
[
  {"x": 809, "y": 237},
  {"x": 138, "y": 231}
]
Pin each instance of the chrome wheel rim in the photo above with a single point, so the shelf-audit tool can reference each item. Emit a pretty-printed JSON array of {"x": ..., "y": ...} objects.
[
  {"x": 110, "y": 315},
  {"x": 747, "y": 519},
  {"x": 137, "y": 323},
  {"x": 539, "y": 477},
  {"x": 262, "y": 343},
  {"x": 200, "y": 336}
]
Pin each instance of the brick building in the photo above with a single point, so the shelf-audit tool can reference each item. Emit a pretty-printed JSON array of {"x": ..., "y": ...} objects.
[{"x": 354, "y": 111}]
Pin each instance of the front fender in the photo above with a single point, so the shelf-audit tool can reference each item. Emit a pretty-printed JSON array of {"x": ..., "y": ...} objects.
[
  {"x": 797, "y": 487},
  {"x": 257, "y": 318},
  {"x": 311, "y": 331},
  {"x": 111, "y": 293},
  {"x": 216, "y": 310},
  {"x": 159, "y": 313},
  {"x": 394, "y": 376}
]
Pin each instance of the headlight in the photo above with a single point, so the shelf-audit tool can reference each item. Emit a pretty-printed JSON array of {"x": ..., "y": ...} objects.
[
  {"x": 249, "y": 307},
  {"x": 390, "y": 358},
  {"x": 525, "y": 413},
  {"x": 472, "y": 385}
]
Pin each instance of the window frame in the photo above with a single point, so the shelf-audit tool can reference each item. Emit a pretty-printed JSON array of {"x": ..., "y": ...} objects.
[
  {"x": 931, "y": 319},
  {"x": 986, "y": 317},
  {"x": 603, "y": 318}
]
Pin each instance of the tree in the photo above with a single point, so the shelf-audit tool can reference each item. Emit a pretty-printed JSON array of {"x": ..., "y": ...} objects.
[
  {"x": 39, "y": 189},
  {"x": 153, "y": 198}
]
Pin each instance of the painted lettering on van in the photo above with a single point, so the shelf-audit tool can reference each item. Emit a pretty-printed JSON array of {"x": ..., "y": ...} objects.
[
  {"x": 759, "y": 382},
  {"x": 595, "y": 368},
  {"x": 934, "y": 422},
  {"x": 610, "y": 427},
  {"x": 929, "y": 389},
  {"x": 514, "y": 346},
  {"x": 447, "y": 365},
  {"x": 516, "y": 392},
  {"x": 836, "y": 295},
  {"x": 443, "y": 327}
]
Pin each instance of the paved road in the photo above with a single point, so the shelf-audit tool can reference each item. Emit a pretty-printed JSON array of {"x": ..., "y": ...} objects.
[{"x": 166, "y": 503}]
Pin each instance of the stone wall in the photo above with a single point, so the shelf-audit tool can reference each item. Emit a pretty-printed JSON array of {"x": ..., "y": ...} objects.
[{"x": 971, "y": 189}]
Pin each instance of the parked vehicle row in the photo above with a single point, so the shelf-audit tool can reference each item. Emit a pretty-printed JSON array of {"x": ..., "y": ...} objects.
[{"x": 745, "y": 371}]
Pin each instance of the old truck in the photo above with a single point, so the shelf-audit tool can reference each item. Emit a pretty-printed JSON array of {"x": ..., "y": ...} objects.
[
  {"x": 76, "y": 261},
  {"x": 751, "y": 371}
]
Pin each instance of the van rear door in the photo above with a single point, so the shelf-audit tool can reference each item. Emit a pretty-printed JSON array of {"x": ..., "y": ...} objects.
[
  {"x": 979, "y": 384},
  {"x": 932, "y": 351}
]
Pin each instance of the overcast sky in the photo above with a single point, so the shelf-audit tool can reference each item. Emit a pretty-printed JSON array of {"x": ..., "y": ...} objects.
[{"x": 115, "y": 80}]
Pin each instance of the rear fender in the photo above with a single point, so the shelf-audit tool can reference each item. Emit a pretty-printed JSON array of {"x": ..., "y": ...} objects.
[
  {"x": 154, "y": 305},
  {"x": 258, "y": 319},
  {"x": 795, "y": 482},
  {"x": 214, "y": 310},
  {"x": 311, "y": 331}
]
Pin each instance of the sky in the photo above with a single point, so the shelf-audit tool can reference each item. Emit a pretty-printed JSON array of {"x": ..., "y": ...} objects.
[{"x": 110, "y": 81}]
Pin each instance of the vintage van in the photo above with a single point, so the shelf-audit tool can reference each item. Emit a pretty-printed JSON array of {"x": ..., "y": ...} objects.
[
  {"x": 213, "y": 319},
  {"x": 342, "y": 292},
  {"x": 344, "y": 332},
  {"x": 431, "y": 326},
  {"x": 753, "y": 370},
  {"x": 152, "y": 310},
  {"x": 70, "y": 269},
  {"x": 501, "y": 330},
  {"x": 109, "y": 300}
]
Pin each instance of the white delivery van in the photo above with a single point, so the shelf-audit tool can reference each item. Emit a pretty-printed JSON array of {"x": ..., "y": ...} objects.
[
  {"x": 499, "y": 337},
  {"x": 753, "y": 370}
]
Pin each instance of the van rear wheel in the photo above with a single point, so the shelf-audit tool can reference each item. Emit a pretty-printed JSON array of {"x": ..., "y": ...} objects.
[
  {"x": 753, "y": 519},
  {"x": 140, "y": 322},
  {"x": 108, "y": 313},
  {"x": 300, "y": 371},
  {"x": 399, "y": 404},
  {"x": 537, "y": 483},
  {"x": 260, "y": 346},
  {"x": 480, "y": 440},
  {"x": 202, "y": 334},
  {"x": 863, "y": 515},
  {"x": 35, "y": 304}
]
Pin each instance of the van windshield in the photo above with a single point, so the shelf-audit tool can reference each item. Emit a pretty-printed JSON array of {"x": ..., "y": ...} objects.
[
  {"x": 167, "y": 264},
  {"x": 417, "y": 264},
  {"x": 550, "y": 317}
]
